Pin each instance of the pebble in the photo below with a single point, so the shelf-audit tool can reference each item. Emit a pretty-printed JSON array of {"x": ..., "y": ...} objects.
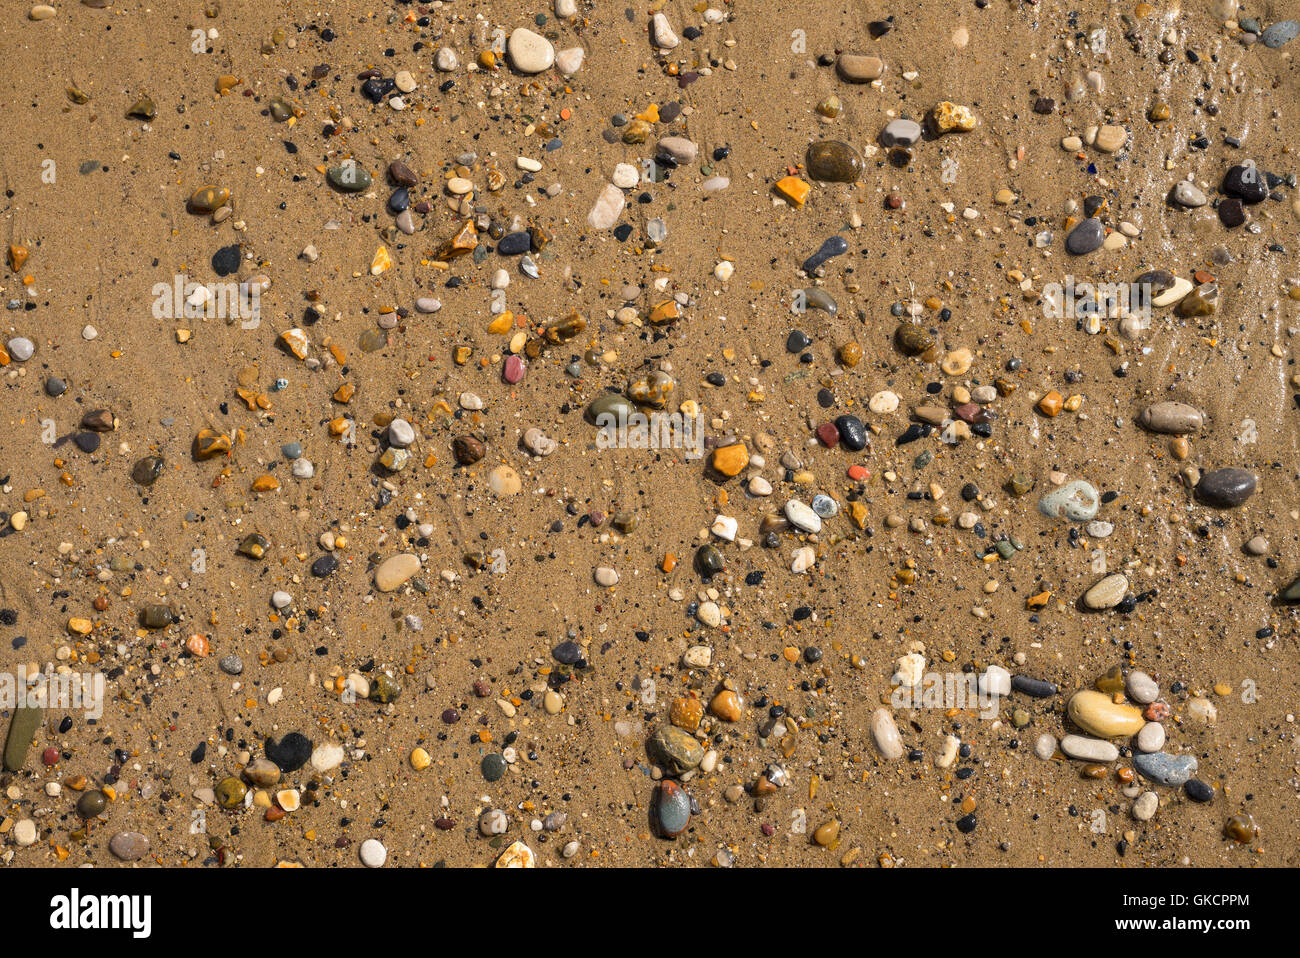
[
  {"x": 1086, "y": 237},
  {"x": 1151, "y": 738},
  {"x": 662, "y": 34},
  {"x": 1144, "y": 808},
  {"x": 1226, "y": 488},
  {"x": 21, "y": 349},
  {"x": 396, "y": 571},
  {"x": 901, "y": 133},
  {"x": 1094, "y": 712},
  {"x": 1171, "y": 418},
  {"x": 802, "y": 516},
  {"x": 672, "y": 809},
  {"x": 1165, "y": 769},
  {"x": 373, "y": 853},
  {"x": 1089, "y": 749},
  {"x": 1045, "y": 746},
  {"x": 1107, "y": 593},
  {"x": 884, "y": 733},
  {"x": 1187, "y": 194},
  {"x": 1141, "y": 688},
  {"x": 859, "y": 68},
  {"x": 832, "y": 161},
  {"x": 1280, "y": 33},
  {"x": 607, "y": 209},
  {"x": 1077, "y": 501}
]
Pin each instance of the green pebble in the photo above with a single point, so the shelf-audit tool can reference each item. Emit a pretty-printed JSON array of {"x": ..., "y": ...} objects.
[
  {"x": 22, "y": 729},
  {"x": 493, "y": 767}
]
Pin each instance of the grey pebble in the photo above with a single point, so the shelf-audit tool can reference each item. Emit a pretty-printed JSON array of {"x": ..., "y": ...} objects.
[
  {"x": 231, "y": 664},
  {"x": 1166, "y": 769},
  {"x": 1282, "y": 32}
]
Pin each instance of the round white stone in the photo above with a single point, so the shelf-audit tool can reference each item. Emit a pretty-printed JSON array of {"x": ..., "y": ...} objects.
[
  {"x": 373, "y": 853},
  {"x": 530, "y": 52}
]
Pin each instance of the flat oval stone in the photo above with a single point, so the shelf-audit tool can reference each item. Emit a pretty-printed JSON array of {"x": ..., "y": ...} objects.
[
  {"x": 901, "y": 133},
  {"x": 208, "y": 198},
  {"x": 349, "y": 177},
  {"x": 833, "y": 161},
  {"x": 1151, "y": 738},
  {"x": 1095, "y": 712},
  {"x": 1076, "y": 501},
  {"x": 22, "y": 729},
  {"x": 801, "y": 516},
  {"x": 1141, "y": 688},
  {"x": 672, "y": 809},
  {"x": 1171, "y": 418},
  {"x": 1086, "y": 237},
  {"x": 610, "y": 404},
  {"x": 677, "y": 751},
  {"x": 394, "y": 571},
  {"x": 1034, "y": 688},
  {"x": 129, "y": 846},
  {"x": 147, "y": 470},
  {"x": 884, "y": 733},
  {"x": 1089, "y": 749},
  {"x": 859, "y": 68},
  {"x": 1165, "y": 769},
  {"x": 1188, "y": 194},
  {"x": 1107, "y": 593},
  {"x": 1226, "y": 488}
]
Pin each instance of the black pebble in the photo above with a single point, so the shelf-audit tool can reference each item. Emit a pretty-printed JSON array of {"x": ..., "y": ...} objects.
[
  {"x": 513, "y": 244},
  {"x": 797, "y": 341},
  {"x": 86, "y": 441},
  {"x": 225, "y": 260},
  {"x": 1198, "y": 791},
  {"x": 1231, "y": 213},
  {"x": 852, "y": 433},
  {"x": 324, "y": 566},
  {"x": 966, "y": 824}
]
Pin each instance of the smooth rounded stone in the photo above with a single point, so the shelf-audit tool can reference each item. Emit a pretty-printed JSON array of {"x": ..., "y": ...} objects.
[
  {"x": 901, "y": 133},
  {"x": 1076, "y": 501},
  {"x": 349, "y": 177},
  {"x": 55, "y": 387},
  {"x": 672, "y": 809},
  {"x": 1034, "y": 688},
  {"x": 1165, "y": 769},
  {"x": 25, "y": 833},
  {"x": 445, "y": 60},
  {"x": 1089, "y": 749},
  {"x": 427, "y": 304},
  {"x": 1110, "y": 138},
  {"x": 1141, "y": 688},
  {"x": 1226, "y": 488},
  {"x": 1282, "y": 32},
  {"x": 569, "y": 60},
  {"x": 89, "y": 442},
  {"x": 302, "y": 468},
  {"x": 1144, "y": 808},
  {"x": 676, "y": 750},
  {"x": 884, "y": 734},
  {"x": 262, "y": 772},
  {"x": 493, "y": 767},
  {"x": 504, "y": 481},
  {"x": 607, "y": 209},
  {"x": 129, "y": 846},
  {"x": 231, "y": 664},
  {"x": 468, "y": 450},
  {"x": 91, "y": 803},
  {"x": 801, "y": 516},
  {"x": 400, "y": 433},
  {"x": 21, "y": 348},
  {"x": 662, "y": 34},
  {"x": 564, "y": 9},
  {"x": 709, "y": 613},
  {"x": 373, "y": 853},
  {"x": 1257, "y": 546},
  {"x": 1099, "y": 529},
  {"x": 1151, "y": 738},
  {"x": 1085, "y": 238},
  {"x": 1202, "y": 711},
  {"x": 1188, "y": 194},
  {"x": 833, "y": 161},
  {"x": 395, "y": 571},
  {"x": 1107, "y": 593},
  {"x": 22, "y": 729},
  {"x": 493, "y": 821},
  {"x": 681, "y": 150},
  {"x": 1045, "y": 746},
  {"x": 852, "y": 432},
  {"x": 1094, "y": 712},
  {"x": 995, "y": 681},
  {"x": 530, "y": 52},
  {"x": 1198, "y": 791},
  {"x": 859, "y": 68},
  {"x": 514, "y": 244},
  {"x": 1171, "y": 418},
  {"x": 605, "y": 577},
  {"x": 1201, "y": 301}
]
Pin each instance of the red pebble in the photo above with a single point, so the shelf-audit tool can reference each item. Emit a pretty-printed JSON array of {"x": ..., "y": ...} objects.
[
  {"x": 828, "y": 434},
  {"x": 50, "y": 756},
  {"x": 1156, "y": 712},
  {"x": 858, "y": 473},
  {"x": 514, "y": 370}
]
